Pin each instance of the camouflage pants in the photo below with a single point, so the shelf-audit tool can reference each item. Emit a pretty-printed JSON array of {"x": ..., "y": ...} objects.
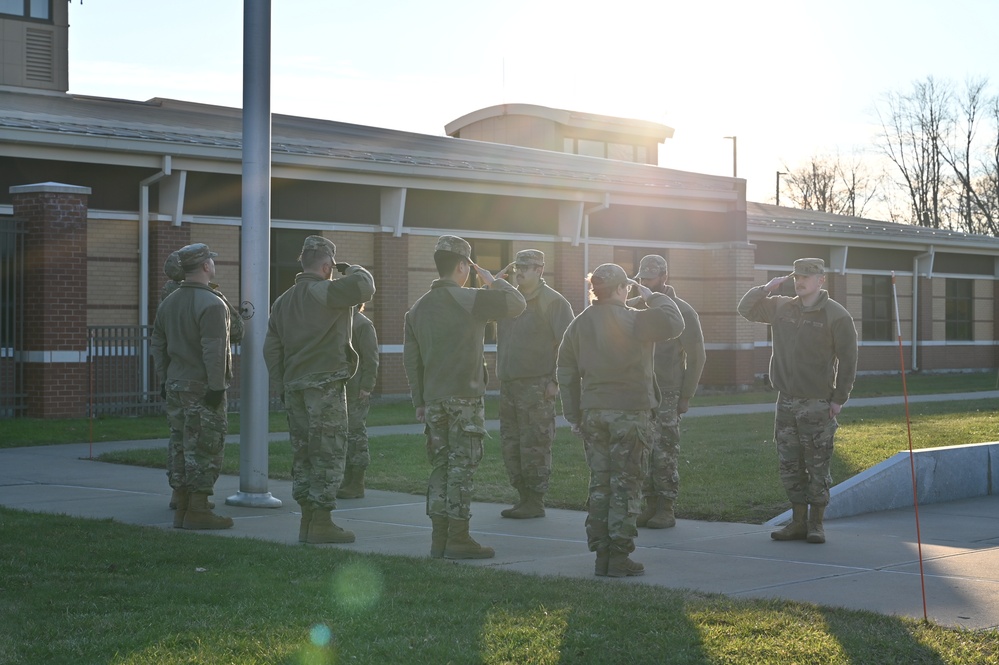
[
  {"x": 804, "y": 434},
  {"x": 664, "y": 464},
  {"x": 617, "y": 451},
  {"x": 455, "y": 428},
  {"x": 197, "y": 440},
  {"x": 317, "y": 422},
  {"x": 527, "y": 429},
  {"x": 357, "y": 432}
]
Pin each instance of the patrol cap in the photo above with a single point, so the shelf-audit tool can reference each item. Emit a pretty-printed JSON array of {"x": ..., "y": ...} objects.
[
  {"x": 319, "y": 243},
  {"x": 455, "y": 245},
  {"x": 530, "y": 257},
  {"x": 805, "y": 267},
  {"x": 192, "y": 256},
  {"x": 172, "y": 267},
  {"x": 652, "y": 265},
  {"x": 609, "y": 274}
]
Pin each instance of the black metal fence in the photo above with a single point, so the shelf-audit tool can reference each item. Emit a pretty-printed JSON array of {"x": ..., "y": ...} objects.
[
  {"x": 13, "y": 399},
  {"x": 121, "y": 372}
]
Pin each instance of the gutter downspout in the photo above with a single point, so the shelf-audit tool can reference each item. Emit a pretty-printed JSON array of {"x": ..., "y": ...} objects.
[
  {"x": 144, "y": 258},
  {"x": 915, "y": 299},
  {"x": 585, "y": 223}
]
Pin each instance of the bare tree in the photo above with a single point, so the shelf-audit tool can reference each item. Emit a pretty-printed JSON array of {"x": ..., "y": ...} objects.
[
  {"x": 976, "y": 196},
  {"x": 914, "y": 131},
  {"x": 830, "y": 185}
]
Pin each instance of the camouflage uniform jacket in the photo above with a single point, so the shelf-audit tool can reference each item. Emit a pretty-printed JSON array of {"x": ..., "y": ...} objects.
[
  {"x": 365, "y": 343},
  {"x": 606, "y": 358},
  {"x": 444, "y": 338},
  {"x": 679, "y": 362},
  {"x": 190, "y": 344},
  {"x": 528, "y": 344},
  {"x": 308, "y": 334},
  {"x": 814, "y": 348},
  {"x": 235, "y": 321}
]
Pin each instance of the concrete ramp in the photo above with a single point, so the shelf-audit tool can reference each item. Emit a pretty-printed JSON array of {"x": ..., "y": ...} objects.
[{"x": 943, "y": 474}]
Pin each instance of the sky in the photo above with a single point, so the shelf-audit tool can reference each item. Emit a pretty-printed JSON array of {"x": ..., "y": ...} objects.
[{"x": 791, "y": 79}]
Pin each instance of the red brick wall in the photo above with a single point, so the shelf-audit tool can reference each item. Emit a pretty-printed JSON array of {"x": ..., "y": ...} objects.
[{"x": 389, "y": 306}]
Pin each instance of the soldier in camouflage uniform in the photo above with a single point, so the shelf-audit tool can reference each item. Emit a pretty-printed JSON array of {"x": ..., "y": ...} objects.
[
  {"x": 446, "y": 370},
  {"x": 608, "y": 387},
  {"x": 309, "y": 358},
  {"x": 359, "y": 387},
  {"x": 525, "y": 363},
  {"x": 679, "y": 363},
  {"x": 814, "y": 364},
  {"x": 190, "y": 347},
  {"x": 175, "y": 273}
]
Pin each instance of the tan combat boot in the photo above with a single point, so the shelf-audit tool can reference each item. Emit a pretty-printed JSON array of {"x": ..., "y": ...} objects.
[
  {"x": 603, "y": 560},
  {"x": 651, "y": 505},
  {"x": 532, "y": 506},
  {"x": 460, "y": 545},
  {"x": 619, "y": 565},
  {"x": 516, "y": 506},
  {"x": 179, "y": 502},
  {"x": 173, "y": 501},
  {"x": 353, "y": 484},
  {"x": 303, "y": 526},
  {"x": 797, "y": 529},
  {"x": 199, "y": 516},
  {"x": 438, "y": 537},
  {"x": 323, "y": 530},
  {"x": 664, "y": 517},
  {"x": 816, "y": 534}
]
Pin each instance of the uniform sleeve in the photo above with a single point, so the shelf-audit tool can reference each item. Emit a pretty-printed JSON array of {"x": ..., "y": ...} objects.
[
  {"x": 757, "y": 306},
  {"x": 692, "y": 341},
  {"x": 500, "y": 301},
  {"x": 366, "y": 345},
  {"x": 569, "y": 377},
  {"x": 274, "y": 355},
  {"x": 559, "y": 317},
  {"x": 354, "y": 288},
  {"x": 215, "y": 344},
  {"x": 413, "y": 360},
  {"x": 845, "y": 342},
  {"x": 662, "y": 320},
  {"x": 158, "y": 347}
]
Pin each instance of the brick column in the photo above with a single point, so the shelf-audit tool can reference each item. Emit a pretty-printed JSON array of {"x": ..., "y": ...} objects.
[
  {"x": 164, "y": 238},
  {"x": 55, "y": 307},
  {"x": 391, "y": 272},
  {"x": 570, "y": 276}
]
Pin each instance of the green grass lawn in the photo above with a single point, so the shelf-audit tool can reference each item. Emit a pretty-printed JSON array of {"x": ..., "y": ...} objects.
[
  {"x": 728, "y": 464},
  {"x": 95, "y": 591}
]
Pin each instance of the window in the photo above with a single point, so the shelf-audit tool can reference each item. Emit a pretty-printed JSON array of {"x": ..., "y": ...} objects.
[
  {"x": 628, "y": 258},
  {"x": 590, "y": 148},
  {"x": 877, "y": 308},
  {"x": 960, "y": 310},
  {"x": 622, "y": 152},
  {"x": 36, "y": 9},
  {"x": 286, "y": 245}
]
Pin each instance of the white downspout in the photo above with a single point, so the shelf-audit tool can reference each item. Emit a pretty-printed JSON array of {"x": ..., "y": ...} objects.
[
  {"x": 586, "y": 233},
  {"x": 915, "y": 300},
  {"x": 144, "y": 257}
]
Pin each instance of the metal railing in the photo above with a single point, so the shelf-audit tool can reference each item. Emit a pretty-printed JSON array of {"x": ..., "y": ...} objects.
[
  {"x": 13, "y": 399},
  {"x": 120, "y": 374}
]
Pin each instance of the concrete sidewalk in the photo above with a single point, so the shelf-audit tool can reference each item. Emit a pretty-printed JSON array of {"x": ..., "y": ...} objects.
[{"x": 869, "y": 562}]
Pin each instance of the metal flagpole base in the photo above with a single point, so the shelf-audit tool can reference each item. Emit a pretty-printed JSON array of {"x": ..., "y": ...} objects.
[{"x": 253, "y": 500}]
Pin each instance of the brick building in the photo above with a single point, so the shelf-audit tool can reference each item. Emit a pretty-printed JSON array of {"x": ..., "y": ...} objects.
[{"x": 95, "y": 193}]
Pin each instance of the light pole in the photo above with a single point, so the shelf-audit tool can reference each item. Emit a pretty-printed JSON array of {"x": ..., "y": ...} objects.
[
  {"x": 735, "y": 156},
  {"x": 779, "y": 174}
]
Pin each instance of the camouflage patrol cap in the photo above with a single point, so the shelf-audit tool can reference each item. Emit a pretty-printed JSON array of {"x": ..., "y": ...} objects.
[
  {"x": 805, "y": 267},
  {"x": 455, "y": 245},
  {"x": 319, "y": 243},
  {"x": 172, "y": 267},
  {"x": 532, "y": 257},
  {"x": 192, "y": 256},
  {"x": 652, "y": 265},
  {"x": 609, "y": 274}
]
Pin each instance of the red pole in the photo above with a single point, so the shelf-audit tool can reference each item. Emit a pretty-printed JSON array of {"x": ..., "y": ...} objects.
[{"x": 912, "y": 459}]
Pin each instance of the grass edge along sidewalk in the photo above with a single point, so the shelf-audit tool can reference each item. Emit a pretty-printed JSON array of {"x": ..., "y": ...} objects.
[{"x": 108, "y": 592}]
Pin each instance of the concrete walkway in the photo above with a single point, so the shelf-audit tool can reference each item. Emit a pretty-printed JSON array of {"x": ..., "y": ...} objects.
[{"x": 869, "y": 562}]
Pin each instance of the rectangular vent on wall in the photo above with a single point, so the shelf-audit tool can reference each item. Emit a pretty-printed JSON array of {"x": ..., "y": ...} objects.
[{"x": 38, "y": 56}]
